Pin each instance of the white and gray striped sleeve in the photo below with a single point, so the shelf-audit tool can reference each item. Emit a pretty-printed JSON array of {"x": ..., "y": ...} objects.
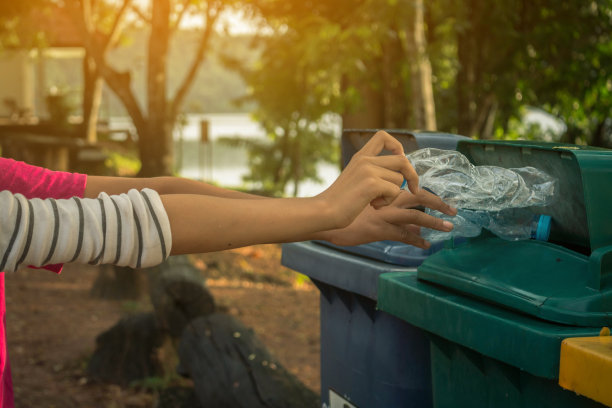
[{"x": 128, "y": 230}]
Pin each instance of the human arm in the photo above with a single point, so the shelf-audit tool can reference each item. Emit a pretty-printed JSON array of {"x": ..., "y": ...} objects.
[
  {"x": 398, "y": 221},
  {"x": 163, "y": 185},
  {"x": 365, "y": 204},
  {"x": 142, "y": 228}
]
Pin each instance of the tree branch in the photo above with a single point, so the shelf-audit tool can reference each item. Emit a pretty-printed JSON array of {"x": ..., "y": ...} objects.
[
  {"x": 114, "y": 33},
  {"x": 119, "y": 82},
  {"x": 212, "y": 13},
  {"x": 176, "y": 24},
  {"x": 140, "y": 14}
]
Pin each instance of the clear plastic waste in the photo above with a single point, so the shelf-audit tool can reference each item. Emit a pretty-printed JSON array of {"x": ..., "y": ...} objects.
[
  {"x": 504, "y": 201},
  {"x": 513, "y": 224},
  {"x": 451, "y": 176}
]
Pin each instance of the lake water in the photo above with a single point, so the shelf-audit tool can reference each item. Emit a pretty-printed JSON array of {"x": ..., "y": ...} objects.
[{"x": 226, "y": 165}]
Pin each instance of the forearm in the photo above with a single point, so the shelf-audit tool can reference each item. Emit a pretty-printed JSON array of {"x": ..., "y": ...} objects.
[
  {"x": 205, "y": 223},
  {"x": 163, "y": 185},
  {"x": 175, "y": 185}
]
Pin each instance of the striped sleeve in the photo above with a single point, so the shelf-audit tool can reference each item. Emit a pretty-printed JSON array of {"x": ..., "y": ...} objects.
[{"x": 128, "y": 230}]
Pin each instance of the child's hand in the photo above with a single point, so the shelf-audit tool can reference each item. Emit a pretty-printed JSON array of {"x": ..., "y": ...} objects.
[
  {"x": 370, "y": 179},
  {"x": 400, "y": 221}
]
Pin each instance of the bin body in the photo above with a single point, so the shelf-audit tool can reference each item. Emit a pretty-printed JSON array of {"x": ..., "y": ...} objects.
[
  {"x": 465, "y": 378},
  {"x": 483, "y": 355},
  {"x": 369, "y": 358},
  {"x": 495, "y": 311}
]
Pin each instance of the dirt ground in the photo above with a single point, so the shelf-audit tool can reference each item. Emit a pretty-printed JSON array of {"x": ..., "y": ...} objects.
[{"x": 52, "y": 323}]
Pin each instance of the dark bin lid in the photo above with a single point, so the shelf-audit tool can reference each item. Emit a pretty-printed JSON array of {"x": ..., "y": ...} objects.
[
  {"x": 411, "y": 140},
  {"x": 567, "y": 280}
]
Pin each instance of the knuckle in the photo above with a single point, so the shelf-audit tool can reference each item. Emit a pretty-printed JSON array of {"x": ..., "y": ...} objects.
[
  {"x": 380, "y": 134},
  {"x": 407, "y": 236}
]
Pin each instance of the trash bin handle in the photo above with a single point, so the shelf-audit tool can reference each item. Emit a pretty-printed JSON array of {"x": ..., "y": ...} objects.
[{"x": 600, "y": 266}]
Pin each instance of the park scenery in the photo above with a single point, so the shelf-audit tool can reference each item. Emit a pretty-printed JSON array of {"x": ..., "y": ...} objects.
[{"x": 255, "y": 96}]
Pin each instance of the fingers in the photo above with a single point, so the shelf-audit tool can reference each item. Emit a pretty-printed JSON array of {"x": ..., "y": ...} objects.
[
  {"x": 409, "y": 234},
  {"x": 400, "y": 216},
  {"x": 395, "y": 169},
  {"x": 382, "y": 140},
  {"x": 434, "y": 202},
  {"x": 387, "y": 192},
  {"x": 425, "y": 199}
]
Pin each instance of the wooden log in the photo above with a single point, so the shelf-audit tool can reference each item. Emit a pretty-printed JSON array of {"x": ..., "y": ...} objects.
[
  {"x": 230, "y": 367},
  {"x": 178, "y": 397},
  {"x": 127, "y": 351},
  {"x": 119, "y": 283},
  {"x": 179, "y": 295}
]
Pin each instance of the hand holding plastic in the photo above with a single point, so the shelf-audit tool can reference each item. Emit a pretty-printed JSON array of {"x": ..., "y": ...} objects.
[{"x": 399, "y": 221}]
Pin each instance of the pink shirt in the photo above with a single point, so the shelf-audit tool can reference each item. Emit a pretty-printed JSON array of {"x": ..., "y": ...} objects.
[{"x": 32, "y": 182}]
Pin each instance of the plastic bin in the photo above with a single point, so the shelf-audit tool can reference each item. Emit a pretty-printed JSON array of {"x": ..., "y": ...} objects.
[
  {"x": 495, "y": 311},
  {"x": 368, "y": 357}
]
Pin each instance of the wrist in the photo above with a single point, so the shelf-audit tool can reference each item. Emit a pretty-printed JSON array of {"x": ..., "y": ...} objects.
[{"x": 332, "y": 216}]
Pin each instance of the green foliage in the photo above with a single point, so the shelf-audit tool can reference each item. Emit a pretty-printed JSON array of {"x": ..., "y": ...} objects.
[
  {"x": 131, "y": 307},
  {"x": 60, "y": 107},
  {"x": 123, "y": 164},
  {"x": 14, "y": 21},
  {"x": 489, "y": 59},
  {"x": 292, "y": 98},
  {"x": 568, "y": 64},
  {"x": 155, "y": 384}
]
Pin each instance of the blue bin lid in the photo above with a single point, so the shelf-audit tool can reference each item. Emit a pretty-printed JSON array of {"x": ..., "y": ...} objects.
[{"x": 331, "y": 266}]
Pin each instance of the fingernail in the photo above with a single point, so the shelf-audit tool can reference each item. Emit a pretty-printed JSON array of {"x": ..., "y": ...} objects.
[{"x": 447, "y": 225}]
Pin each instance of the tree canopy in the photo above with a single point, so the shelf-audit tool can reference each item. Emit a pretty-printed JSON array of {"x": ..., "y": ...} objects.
[{"x": 463, "y": 66}]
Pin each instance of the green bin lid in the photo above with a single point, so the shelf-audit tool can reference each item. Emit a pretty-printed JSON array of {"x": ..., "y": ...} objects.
[{"x": 566, "y": 280}]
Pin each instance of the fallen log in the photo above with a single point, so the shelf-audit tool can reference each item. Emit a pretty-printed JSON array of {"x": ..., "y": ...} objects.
[
  {"x": 127, "y": 351},
  {"x": 230, "y": 367},
  {"x": 179, "y": 295}
]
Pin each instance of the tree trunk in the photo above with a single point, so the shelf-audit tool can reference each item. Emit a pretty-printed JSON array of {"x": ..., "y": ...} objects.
[
  {"x": 602, "y": 137},
  {"x": 370, "y": 113},
  {"x": 483, "y": 125},
  {"x": 92, "y": 97},
  {"x": 155, "y": 142},
  {"x": 156, "y": 149},
  {"x": 422, "y": 101},
  {"x": 396, "y": 106},
  {"x": 465, "y": 82},
  {"x": 154, "y": 127}
]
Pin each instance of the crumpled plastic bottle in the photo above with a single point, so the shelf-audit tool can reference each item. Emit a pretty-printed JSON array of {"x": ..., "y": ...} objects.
[
  {"x": 513, "y": 224},
  {"x": 501, "y": 200}
]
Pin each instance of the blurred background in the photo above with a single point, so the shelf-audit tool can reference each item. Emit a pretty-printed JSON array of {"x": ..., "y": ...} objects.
[{"x": 253, "y": 95}]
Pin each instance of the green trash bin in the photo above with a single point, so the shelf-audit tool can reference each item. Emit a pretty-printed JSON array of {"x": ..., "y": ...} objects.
[{"x": 496, "y": 311}]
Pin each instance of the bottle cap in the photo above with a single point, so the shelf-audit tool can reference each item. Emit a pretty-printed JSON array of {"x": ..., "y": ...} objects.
[{"x": 543, "y": 229}]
